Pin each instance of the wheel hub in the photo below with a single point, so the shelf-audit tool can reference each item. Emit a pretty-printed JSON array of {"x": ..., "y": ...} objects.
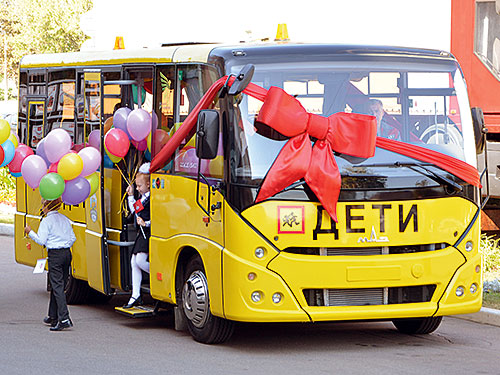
[{"x": 195, "y": 300}]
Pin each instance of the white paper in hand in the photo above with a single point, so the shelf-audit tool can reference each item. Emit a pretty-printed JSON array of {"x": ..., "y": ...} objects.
[{"x": 40, "y": 265}]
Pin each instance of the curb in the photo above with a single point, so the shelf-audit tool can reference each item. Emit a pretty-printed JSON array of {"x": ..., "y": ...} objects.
[
  {"x": 484, "y": 316},
  {"x": 6, "y": 229}
]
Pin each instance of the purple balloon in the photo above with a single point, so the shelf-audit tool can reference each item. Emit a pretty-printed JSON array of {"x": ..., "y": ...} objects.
[
  {"x": 76, "y": 191},
  {"x": 120, "y": 119},
  {"x": 155, "y": 122},
  {"x": 95, "y": 139},
  {"x": 40, "y": 151},
  {"x": 57, "y": 144},
  {"x": 33, "y": 169},
  {"x": 91, "y": 160},
  {"x": 138, "y": 124}
]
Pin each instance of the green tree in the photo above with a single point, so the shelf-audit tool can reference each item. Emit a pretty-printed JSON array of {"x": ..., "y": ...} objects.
[{"x": 39, "y": 26}]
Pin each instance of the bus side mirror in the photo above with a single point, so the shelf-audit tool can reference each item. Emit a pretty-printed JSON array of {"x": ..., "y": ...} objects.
[
  {"x": 207, "y": 134},
  {"x": 479, "y": 129}
]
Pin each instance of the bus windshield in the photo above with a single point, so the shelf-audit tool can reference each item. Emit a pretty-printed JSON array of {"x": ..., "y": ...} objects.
[{"x": 424, "y": 104}]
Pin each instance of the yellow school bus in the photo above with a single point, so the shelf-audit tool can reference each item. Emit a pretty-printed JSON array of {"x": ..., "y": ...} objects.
[{"x": 403, "y": 247}]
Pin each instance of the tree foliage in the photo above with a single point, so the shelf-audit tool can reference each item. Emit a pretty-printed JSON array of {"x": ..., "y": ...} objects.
[{"x": 39, "y": 26}]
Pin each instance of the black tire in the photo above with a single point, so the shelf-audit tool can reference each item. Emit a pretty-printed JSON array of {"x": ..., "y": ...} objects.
[
  {"x": 195, "y": 304},
  {"x": 418, "y": 326},
  {"x": 77, "y": 291}
]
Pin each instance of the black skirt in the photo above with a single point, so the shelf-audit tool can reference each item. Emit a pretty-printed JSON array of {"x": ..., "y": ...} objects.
[{"x": 141, "y": 244}]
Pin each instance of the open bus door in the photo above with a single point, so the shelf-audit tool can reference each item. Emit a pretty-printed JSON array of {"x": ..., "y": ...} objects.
[{"x": 98, "y": 269}]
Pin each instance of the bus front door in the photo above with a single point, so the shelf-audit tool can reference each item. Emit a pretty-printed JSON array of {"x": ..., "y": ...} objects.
[{"x": 98, "y": 269}]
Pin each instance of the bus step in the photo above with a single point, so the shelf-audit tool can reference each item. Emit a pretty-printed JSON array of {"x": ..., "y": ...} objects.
[{"x": 137, "y": 311}]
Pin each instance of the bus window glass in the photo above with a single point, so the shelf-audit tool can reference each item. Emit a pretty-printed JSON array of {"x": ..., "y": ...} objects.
[
  {"x": 165, "y": 84},
  {"x": 61, "y": 102},
  {"x": 23, "y": 102},
  {"x": 36, "y": 117},
  {"x": 194, "y": 81},
  {"x": 412, "y": 103},
  {"x": 487, "y": 36},
  {"x": 36, "y": 82}
]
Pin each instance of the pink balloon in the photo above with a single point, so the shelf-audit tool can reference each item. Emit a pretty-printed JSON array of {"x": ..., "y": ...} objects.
[
  {"x": 53, "y": 167},
  {"x": 21, "y": 153},
  {"x": 33, "y": 169},
  {"x": 141, "y": 145},
  {"x": 57, "y": 144},
  {"x": 138, "y": 124},
  {"x": 95, "y": 139},
  {"x": 116, "y": 142},
  {"x": 91, "y": 160},
  {"x": 120, "y": 119}
]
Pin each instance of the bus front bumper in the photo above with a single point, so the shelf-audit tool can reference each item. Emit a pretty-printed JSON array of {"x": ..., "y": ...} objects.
[{"x": 278, "y": 292}]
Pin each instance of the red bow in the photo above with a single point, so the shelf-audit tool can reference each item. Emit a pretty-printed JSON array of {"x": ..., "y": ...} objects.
[{"x": 347, "y": 133}]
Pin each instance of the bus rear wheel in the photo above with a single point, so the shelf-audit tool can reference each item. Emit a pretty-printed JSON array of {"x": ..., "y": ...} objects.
[
  {"x": 202, "y": 325},
  {"x": 418, "y": 326}
]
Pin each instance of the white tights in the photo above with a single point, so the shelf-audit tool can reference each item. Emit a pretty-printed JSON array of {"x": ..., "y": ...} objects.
[{"x": 139, "y": 262}]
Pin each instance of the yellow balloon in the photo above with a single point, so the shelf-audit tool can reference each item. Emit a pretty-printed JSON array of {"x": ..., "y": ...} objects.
[
  {"x": 148, "y": 139},
  {"x": 4, "y": 130},
  {"x": 70, "y": 166},
  {"x": 14, "y": 139},
  {"x": 113, "y": 158}
]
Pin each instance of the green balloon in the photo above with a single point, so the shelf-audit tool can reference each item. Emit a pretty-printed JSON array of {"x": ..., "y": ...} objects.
[
  {"x": 93, "y": 179},
  {"x": 51, "y": 186}
]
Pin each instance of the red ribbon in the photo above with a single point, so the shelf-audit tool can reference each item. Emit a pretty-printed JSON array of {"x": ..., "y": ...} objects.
[{"x": 347, "y": 133}]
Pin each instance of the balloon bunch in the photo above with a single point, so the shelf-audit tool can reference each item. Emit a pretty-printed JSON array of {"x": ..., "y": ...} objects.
[
  {"x": 57, "y": 171},
  {"x": 129, "y": 127},
  {"x": 8, "y": 144}
]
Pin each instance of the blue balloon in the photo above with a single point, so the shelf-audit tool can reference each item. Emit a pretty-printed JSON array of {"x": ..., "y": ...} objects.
[
  {"x": 107, "y": 162},
  {"x": 14, "y": 174},
  {"x": 9, "y": 149}
]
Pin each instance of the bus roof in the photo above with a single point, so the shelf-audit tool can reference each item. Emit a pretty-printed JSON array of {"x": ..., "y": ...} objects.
[
  {"x": 201, "y": 52},
  {"x": 186, "y": 53}
]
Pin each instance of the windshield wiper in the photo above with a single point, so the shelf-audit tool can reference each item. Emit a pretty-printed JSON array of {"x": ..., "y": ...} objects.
[
  {"x": 423, "y": 171},
  {"x": 429, "y": 173}
]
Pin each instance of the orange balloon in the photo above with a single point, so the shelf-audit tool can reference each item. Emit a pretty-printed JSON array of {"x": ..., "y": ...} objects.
[{"x": 108, "y": 124}]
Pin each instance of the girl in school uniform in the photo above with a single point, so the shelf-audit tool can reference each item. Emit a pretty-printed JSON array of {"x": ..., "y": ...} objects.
[{"x": 140, "y": 251}]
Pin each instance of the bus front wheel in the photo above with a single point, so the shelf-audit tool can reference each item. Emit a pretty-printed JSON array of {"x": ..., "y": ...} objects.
[
  {"x": 418, "y": 326},
  {"x": 203, "y": 326}
]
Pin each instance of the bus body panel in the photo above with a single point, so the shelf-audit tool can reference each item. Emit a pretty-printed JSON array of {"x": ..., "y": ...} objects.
[
  {"x": 163, "y": 256},
  {"x": 79, "y": 253},
  {"x": 238, "y": 262},
  {"x": 174, "y": 209},
  {"x": 362, "y": 223}
]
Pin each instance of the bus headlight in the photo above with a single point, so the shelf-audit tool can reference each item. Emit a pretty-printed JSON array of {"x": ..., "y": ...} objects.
[
  {"x": 256, "y": 296},
  {"x": 277, "y": 297},
  {"x": 460, "y": 291},
  {"x": 473, "y": 288},
  {"x": 469, "y": 246},
  {"x": 260, "y": 252}
]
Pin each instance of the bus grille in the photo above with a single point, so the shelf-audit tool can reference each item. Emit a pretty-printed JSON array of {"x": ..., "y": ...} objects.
[
  {"x": 359, "y": 251},
  {"x": 369, "y": 296}
]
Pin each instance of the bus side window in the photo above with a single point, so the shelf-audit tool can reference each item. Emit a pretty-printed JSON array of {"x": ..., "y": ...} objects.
[
  {"x": 195, "y": 81},
  {"x": 61, "y": 102}
]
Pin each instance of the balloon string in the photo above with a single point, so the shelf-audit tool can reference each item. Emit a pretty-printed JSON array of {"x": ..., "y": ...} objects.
[{"x": 123, "y": 175}]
